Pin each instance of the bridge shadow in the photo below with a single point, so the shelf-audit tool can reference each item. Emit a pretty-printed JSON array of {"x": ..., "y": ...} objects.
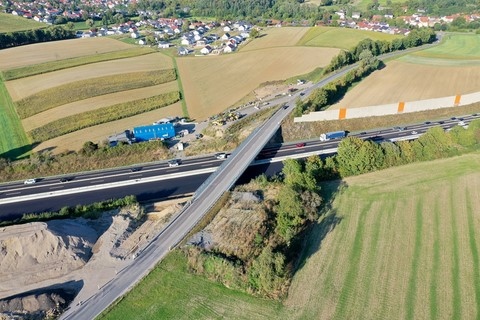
[
  {"x": 66, "y": 290},
  {"x": 310, "y": 241},
  {"x": 18, "y": 153}
]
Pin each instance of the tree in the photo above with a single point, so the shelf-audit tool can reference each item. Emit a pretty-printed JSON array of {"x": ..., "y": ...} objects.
[
  {"x": 254, "y": 33},
  {"x": 267, "y": 274},
  {"x": 70, "y": 25},
  {"x": 290, "y": 213},
  {"x": 293, "y": 173},
  {"x": 89, "y": 23}
]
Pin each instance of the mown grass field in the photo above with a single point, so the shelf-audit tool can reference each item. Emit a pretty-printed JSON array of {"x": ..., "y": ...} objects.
[
  {"x": 395, "y": 244},
  {"x": 363, "y": 4},
  {"x": 13, "y": 140},
  {"x": 456, "y": 49},
  {"x": 214, "y": 83},
  {"x": 56, "y": 51},
  {"x": 406, "y": 247},
  {"x": 50, "y": 66},
  {"x": 276, "y": 37},
  {"x": 11, "y": 23},
  {"x": 343, "y": 38}
]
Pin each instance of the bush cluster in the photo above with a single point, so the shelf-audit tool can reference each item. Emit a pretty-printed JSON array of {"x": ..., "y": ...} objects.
[
  {"x": 20, "y": 38},
  {"x": 90, "y": 211}
]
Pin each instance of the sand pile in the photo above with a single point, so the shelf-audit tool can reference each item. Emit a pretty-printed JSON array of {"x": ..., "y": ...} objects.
[{"x": 38, "y": 251}]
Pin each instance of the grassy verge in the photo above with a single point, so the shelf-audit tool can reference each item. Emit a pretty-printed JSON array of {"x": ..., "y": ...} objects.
[
  {"x": 103, "y": 115},
  {"x": 171, "y": 292},
  {"x": 54, "y": 97},
  {"x": 50, "y": 66},
  {"x": 180, "y": 87},
  {"x": 13, "y": 140}
]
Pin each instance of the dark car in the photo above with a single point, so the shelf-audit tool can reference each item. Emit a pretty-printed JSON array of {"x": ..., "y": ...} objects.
[
  {"x": 135, "y": 169},
  {"x": 285, "y": 106},
  {"x": 300, "y": 144},
  {"x": 453, "y": 118},
  {"x": 441, "y": 122},
  {"x": 66, "y": 179},
  {"x": 427, "y": 122}
]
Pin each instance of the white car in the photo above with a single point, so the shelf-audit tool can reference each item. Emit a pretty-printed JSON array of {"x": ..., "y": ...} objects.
[
  {"x": 174, "y": 163},
  {"x": 221, "y": 156},
  {"x": 30, "y": 181},
  {"x": 414, "y": 132}
]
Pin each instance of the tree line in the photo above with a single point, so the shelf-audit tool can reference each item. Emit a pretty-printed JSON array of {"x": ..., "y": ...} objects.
[{"x": 20, "y": 38}]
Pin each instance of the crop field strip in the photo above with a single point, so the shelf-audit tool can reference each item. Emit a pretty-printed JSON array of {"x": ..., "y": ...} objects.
[
  {"x": 93, "y": 103},
  {"x": 24, "y": 87},
  {"x": 99, "y": 133},
  {"x": 50, "y": 66},
  {"x": 94, "y": 87},
  {"x": 404, "y": 249},
  {"x": 11, "y": 23},
  {"x": 102, "y": 115},
  {"x": 57, "y": 50}
]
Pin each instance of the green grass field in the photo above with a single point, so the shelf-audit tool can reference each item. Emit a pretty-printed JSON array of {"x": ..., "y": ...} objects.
[
  {"x": 456, "y": 49},
  {"x": 170, "y": 292},
  {"x": 396, "y": 244},
  {"x": 11, "y": 23},
  {"x": 13, "y": 140},
  {"x": 343, "y": 38}
]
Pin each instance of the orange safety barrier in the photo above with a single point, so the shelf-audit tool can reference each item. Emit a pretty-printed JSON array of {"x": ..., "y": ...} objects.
[
  {"x": 457, "y": 100},
  {"x": 342, "y": 113},
  {"x": 401, "y": 107}
]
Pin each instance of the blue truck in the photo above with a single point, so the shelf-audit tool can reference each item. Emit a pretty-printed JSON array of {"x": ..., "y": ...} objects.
[
  {"x": 154, "y": 132},
  {"x": 333, "y": 135}
]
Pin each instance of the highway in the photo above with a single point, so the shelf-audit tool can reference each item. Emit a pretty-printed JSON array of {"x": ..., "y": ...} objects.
[{"x": 157, "y": 180}]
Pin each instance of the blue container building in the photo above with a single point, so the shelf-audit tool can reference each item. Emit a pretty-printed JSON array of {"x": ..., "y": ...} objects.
[{"x": 154, "y": 132}]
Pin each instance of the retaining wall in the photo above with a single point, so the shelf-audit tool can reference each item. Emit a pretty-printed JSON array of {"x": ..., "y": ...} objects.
[{"x": 392, "y": 108}]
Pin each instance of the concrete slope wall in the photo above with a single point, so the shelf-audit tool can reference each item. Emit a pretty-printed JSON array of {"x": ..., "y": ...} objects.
[{"x": 392, "y": 108}]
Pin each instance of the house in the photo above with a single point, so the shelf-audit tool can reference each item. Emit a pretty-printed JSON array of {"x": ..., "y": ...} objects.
[
  {"x": 164, "y": 45},
  {"x": 134, "y": 35},
  {"x": 182, "y": 51},
  {"x": 142, "y": 42},
  {"x": 229, "y": 48},
  {"x": 356, "y": 15},
  {"x": 206, "y": 50},
  {"x": 227, "y": 29},
  {"x": 201, "y": 43},
  {"x": 226, "y": 36},
  {"x": 187, "y": 42},
  {"x": 154, "y": 132}
]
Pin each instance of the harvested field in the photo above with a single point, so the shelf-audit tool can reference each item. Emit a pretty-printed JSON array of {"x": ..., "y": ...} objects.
[
  {"x": 102, "y": 115},
  {"x": 50, "y": 66},
  {"x": 21, "y": 88},
  {"x": 214, "y": 83},
  {"x": 343, "y": 38},
  {"x": 94, "y": 103},
  {"x": 85, "y": 89},
  {"x": 401, "y": 81},
  {"x": 74, "y": 141},
  {"x": 11, "y": 23},
  {"x": 276, "y": 37},
  {"x": 406, "y": 238},
  {"x": 57, "y": 50}
]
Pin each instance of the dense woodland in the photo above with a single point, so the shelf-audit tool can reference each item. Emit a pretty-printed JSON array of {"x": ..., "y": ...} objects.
[{"x": 19, "y": 38}]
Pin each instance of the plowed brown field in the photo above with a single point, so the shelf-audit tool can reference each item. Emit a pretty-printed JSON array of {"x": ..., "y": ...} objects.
[
  {"x": 57, "y": 50},
  {"x": 24, "y": 87},
  {"x": 401, "y": 81},
  {"x": 214, "y": 83}
]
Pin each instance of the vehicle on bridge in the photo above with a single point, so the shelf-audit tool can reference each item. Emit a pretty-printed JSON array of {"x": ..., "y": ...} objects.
[{"x": 333, "y": 135}]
